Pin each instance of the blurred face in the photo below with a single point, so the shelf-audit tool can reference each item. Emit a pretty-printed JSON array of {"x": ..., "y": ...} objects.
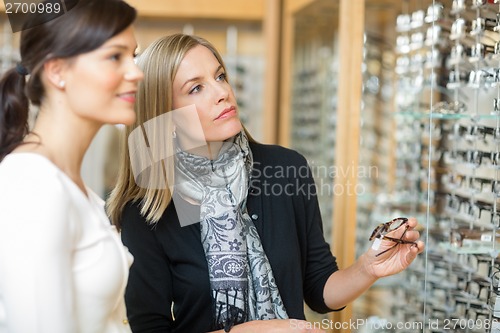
[
  {"x": 100, "y": 85},
  {"x": 201, "y": 81}
]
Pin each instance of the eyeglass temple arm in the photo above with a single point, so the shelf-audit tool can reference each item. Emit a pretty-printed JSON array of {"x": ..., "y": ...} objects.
[{"x": 396, "y": 240}]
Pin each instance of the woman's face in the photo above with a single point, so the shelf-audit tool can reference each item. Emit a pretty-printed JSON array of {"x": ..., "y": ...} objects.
[
  {"x": 100, "y": 85},
  {"x": 201, "y": 81}
]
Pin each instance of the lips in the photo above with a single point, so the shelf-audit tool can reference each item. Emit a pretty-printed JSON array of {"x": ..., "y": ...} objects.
[
  {"x": 226, "y": 113},
  {"x": 128, "y": 97}
]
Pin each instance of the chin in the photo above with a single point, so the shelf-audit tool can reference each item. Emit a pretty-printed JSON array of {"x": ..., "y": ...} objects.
[
  {"x": 222, "y": 133},
  {"x": 128, "y": 118},
  {"x": 220, "y": 137},
  {"x": 234, "y": 130}
]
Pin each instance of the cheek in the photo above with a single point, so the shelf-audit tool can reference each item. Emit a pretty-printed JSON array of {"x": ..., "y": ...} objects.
[
  {"x": 207, "y": 125},
  {"x": 93, "y": 95},
  {"x": 99, "y": 82},
  {"x": 109, "y": 83},
  {"x": 203, "y": 116}
]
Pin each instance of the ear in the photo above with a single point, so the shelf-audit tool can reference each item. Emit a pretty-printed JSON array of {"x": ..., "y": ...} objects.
[{"x": 54, "y": 70}]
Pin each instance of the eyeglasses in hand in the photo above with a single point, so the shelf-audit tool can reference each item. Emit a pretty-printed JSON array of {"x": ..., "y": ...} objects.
[{"x": 383, "y": 229}]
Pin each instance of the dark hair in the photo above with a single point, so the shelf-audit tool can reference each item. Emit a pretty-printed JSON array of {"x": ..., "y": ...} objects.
[{"x": 82, "y": 29}]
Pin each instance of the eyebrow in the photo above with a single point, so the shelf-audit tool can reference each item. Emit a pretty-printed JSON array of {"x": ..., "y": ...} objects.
[
  {"x": 197, "y": 78},
  {"x": 120, "y": 46}
]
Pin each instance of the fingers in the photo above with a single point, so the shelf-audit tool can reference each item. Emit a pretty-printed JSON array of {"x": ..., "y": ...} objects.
[
  {"x": 315, "y": 330},
  {"x": 412, "y": 222},
  {"x": 301, "y": 326},
  {"x": 419, "y": 248},
  {"x": 405, "y": 235},
  {"x": 414, "y": 251},
  {"x": 411, "y": 235}
]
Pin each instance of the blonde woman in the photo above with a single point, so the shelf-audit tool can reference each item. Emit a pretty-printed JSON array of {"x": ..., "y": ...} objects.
[{"x": 227, "y": 233}]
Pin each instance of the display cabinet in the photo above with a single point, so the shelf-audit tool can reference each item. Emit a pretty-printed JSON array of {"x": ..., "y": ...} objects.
[{"x": 414, "y": 105}]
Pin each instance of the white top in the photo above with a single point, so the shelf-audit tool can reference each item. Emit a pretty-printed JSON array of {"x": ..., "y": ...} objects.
[{"x": 63, "y": 267}]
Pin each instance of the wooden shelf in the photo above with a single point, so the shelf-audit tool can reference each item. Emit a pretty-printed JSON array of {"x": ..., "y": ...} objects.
[{"x": 201, "y": 9}]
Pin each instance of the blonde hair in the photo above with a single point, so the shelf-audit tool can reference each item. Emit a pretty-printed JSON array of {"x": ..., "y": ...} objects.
[{"x": 159, "y": 62}]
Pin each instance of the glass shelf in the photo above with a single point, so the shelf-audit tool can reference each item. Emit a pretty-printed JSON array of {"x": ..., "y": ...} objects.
[
  {"x": 425, "y": 115},
  {"x": 472, "y": 247}
]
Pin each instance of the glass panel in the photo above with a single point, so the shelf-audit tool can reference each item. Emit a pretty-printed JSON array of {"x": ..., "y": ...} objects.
[
  {"x": 444, "y": 125},
  {"x": 314, "y": 100},
  {"x": 314, "y": 96}
]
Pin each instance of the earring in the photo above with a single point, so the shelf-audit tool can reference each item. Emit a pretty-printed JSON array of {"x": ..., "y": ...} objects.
[{"x": 62, "y": 84}]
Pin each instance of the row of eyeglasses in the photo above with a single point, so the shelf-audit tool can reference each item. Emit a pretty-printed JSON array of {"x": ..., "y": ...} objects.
[{"x": 454, "y": 53}]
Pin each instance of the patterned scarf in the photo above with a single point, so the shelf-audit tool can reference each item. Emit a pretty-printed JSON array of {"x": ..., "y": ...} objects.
[{"x": 241, "y": 278}]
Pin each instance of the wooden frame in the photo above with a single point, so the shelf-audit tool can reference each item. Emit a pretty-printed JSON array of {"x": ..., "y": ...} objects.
[
  {"x": 351, "y": 34},
  {"x": 351, "y": 43}
]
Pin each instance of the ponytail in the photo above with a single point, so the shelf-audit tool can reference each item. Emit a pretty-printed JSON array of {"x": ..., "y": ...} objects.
[{"x": 14, "y": 109}]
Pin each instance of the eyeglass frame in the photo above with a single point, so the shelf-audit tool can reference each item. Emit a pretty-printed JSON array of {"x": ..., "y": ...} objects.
[{"x": 382, "y": 229}]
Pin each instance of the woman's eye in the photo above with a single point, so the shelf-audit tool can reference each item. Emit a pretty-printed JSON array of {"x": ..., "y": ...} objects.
[
  {"x": 195, "y": 89},
  {"x": 115, "y": 57},
  {"x": 221, "y": 77}
]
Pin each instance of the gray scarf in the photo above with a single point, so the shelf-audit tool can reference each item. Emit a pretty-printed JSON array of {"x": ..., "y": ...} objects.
[{"x": 241, "y": 278}]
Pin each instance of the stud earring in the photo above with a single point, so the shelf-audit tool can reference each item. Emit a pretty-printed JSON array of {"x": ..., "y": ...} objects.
[{"x": 62, "y": 84}]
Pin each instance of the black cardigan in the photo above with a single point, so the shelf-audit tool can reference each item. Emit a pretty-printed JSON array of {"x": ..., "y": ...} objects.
[{"x": 169, "y": 276}]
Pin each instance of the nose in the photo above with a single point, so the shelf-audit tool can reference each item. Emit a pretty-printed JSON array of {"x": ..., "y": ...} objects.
[
  {"x": 222, "y": 92},
  {"x": 134, "y": 73}
]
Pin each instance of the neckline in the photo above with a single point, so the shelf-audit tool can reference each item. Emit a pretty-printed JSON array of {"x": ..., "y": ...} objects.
[{"x": 86, "y": 196}]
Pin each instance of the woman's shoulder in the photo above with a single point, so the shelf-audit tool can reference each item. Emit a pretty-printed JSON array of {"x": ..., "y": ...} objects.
[
  {"x": 276, "y": 155},
  {"x": 22, "y": 171},
  {"x": 132, "y": 209},
  {"x": 26, "y": 165},
  {"x": 31, "y": 184}
]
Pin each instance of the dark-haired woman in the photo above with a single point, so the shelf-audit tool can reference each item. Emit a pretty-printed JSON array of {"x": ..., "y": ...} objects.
[{"x": 63, "y": 267}]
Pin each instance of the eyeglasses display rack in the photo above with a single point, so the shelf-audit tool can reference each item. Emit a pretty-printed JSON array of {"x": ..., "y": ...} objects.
[
  {"x": 314, "y": 116},
  {"x": 430, "y": 130},
  {"x": 446, "y": 65},
  {"x": 460, "y": 148}
]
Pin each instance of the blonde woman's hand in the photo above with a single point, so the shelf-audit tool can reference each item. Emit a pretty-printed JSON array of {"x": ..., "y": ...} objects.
[
  {"x": 277, "y": 326},
  {"x": 390, "y": 257}
]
